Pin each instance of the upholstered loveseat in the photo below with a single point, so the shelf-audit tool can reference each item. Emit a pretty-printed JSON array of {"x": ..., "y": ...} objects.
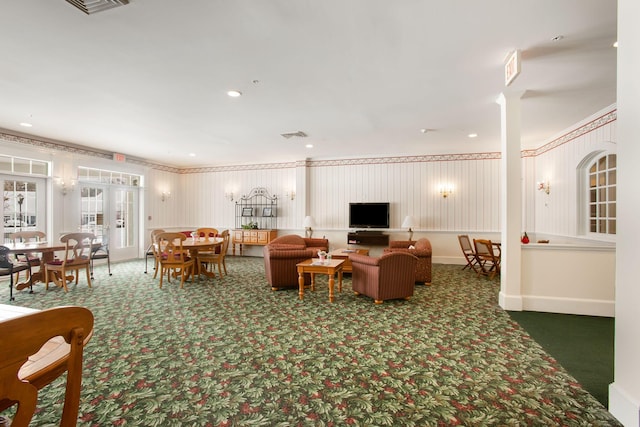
[
  {"x": 391, "y": 276},
  {"x": 422, "y": 250},
  {"x": 283, "y": 253}
]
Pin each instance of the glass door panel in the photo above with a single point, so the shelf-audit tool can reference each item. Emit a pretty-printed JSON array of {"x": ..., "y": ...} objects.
[
  {"x": 111, "y": 212},
  {"x": 23, "y": 206}
]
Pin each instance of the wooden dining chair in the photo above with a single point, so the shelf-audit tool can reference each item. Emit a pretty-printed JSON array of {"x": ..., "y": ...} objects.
[
  {"x": 488, "y": 260},
  {"x": 20, "y": 340},
  {"x": 469, "y": 252},
  {"x": 173, "y": 258},
  {"x": 152, "y": 252},
  {"x": 77, "y": 256},
  {"x": 211, "y": 259},
  {"x": 207, "y": 232}
]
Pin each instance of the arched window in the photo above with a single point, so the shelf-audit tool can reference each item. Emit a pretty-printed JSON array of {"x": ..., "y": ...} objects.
[{"x": 602, "y": 195}]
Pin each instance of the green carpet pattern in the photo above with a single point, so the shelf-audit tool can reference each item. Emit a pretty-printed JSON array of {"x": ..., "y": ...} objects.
[{"x": 232, "y": 352}]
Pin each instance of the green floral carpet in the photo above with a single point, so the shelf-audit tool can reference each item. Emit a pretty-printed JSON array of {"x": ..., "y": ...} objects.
[{"x": 232, "y": 352}]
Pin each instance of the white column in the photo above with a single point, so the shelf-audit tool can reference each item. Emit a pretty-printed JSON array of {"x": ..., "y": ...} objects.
[
  {"x": 624, "y": 393},
  {"x": 302, "y": 192},
  {"x": 510, "y": 297}
]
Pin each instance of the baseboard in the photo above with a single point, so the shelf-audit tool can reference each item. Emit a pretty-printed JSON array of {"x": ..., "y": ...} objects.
[
  {"x": 587, "y": 307},
  {"x": 448, "y": 260},
  {"x": 623, "y": 407},
  {"x": 510, "y": 302}
]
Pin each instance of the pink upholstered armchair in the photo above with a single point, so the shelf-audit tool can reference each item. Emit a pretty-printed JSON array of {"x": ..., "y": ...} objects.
[
  {"x": 389, "y": 277},
  {"x": 422, "y": 251},
  {"x": 283, "y": 253}
]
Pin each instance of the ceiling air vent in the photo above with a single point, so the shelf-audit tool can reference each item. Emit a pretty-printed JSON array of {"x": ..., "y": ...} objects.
[
  {"x": 296, "y": 134},
  {"x": 93, "y": 6}
]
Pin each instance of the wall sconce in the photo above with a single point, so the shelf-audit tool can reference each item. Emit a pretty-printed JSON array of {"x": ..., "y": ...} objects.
[
  {"x": 165, "y": 195},
  {"x": 446, "y": 190},
  {"x": 66, "y": 185},
  {"x": 307, "y": 224},
  {"x": 229, "y": 196},
  {"x": 408, "y": 223},
  {"x": 544, "y": 186}
]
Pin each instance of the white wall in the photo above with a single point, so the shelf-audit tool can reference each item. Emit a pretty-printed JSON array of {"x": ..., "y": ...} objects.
[
  {"x": 570, "y": 279},
  {"x": 557, "y": 162}
]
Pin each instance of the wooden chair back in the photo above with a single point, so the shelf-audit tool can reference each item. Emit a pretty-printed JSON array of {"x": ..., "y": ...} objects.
[
  {"x": 172, "y": 256},
  {"x": 19, "y": 340},
  {"x": 28, "y": 236},
  {"x": 154, "y": 251},
  {"x": 78, "y": 248},
  {"x": 207, "y": 232}
]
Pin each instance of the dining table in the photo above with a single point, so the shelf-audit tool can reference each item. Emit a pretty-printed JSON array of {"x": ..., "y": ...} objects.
[
  {"x": 46, "y": 248},
  {"x": 197, "y": 244}
]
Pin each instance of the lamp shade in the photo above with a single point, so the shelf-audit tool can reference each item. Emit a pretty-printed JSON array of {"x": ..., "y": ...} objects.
[
  {"x": 408, "y": 222},
  {"x": 308, "y": 222}
]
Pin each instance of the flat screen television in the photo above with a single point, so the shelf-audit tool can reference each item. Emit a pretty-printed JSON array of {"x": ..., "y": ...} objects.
[{"x": 368, "y": 215}]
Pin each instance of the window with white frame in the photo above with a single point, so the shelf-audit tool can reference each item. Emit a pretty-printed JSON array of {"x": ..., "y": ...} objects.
[{"x": 602, "y": 195}]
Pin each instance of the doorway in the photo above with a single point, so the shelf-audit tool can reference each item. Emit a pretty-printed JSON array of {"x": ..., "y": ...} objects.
[
  {"x": 23, "y": 205},
  {"x": 111, "y": 213}
]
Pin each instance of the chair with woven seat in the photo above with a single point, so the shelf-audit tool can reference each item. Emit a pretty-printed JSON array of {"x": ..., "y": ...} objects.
[
  {"x": 211, "y": 259},
  {"x": 173, "y": 258},
  {"x": 9, "y": 266},
  {"x": 469, "y": 252},
  {"x": 488, "y": 260},
  {"x": 391, "y": 276},
  {"x": 77, "y": 256},
  {"x": 20, "y": 340},
  {"x": 100, "y": 250}
]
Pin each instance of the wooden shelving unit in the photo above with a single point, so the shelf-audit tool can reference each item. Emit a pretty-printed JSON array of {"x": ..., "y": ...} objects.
[{"x": 256, "y": 219}]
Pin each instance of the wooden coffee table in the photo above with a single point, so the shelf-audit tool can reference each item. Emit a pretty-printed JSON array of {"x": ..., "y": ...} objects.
[
  {"x": 314, "y": 266},
  {"x": 344, "y": 254}
]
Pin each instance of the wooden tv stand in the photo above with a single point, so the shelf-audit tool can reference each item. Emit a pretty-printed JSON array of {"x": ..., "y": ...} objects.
[{"x": 369, "y": 238}]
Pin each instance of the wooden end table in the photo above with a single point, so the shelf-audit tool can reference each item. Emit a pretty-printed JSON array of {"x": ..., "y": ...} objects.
[
  {"x": 344, "y": 254},
  {"x": 314, "y": 266}
]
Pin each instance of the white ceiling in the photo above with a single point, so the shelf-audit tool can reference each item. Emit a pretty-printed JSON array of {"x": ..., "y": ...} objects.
[{"x": 360, "y": 77}]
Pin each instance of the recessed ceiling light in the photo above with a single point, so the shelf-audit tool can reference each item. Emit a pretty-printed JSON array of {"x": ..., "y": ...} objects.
[
  {"x": 309, "y": 145},
  {"x": 25, "y": 124},
  {"x": 234, "y": 93},
  {"x": 472, "y": 135},
  {"x": 615, "y": 44},
  {"x": 557, "y": 38},
  {"x": 192, "y": 154},
  {"x": 424, "y": 130}
]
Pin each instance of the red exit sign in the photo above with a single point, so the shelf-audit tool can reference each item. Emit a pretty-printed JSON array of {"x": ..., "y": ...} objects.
[
  {"x": 119, "y": 157},
  {"x": 512, "y": 67}
]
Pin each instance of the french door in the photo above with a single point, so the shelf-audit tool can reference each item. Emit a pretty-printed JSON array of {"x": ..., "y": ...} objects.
[
  {"x": 23, "y": 206},
  {"x": 111, "y": 212}
]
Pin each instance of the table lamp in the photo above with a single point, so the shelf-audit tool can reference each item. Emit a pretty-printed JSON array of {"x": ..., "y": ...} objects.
[
  {"x": 408, "y": 223},
  {"x": 307, "y": 224}
]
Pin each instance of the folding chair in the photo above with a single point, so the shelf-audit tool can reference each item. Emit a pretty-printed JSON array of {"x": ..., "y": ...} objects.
[
  {"x": 468, "y": 252},
  {"x": 488, "y": 261}
]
